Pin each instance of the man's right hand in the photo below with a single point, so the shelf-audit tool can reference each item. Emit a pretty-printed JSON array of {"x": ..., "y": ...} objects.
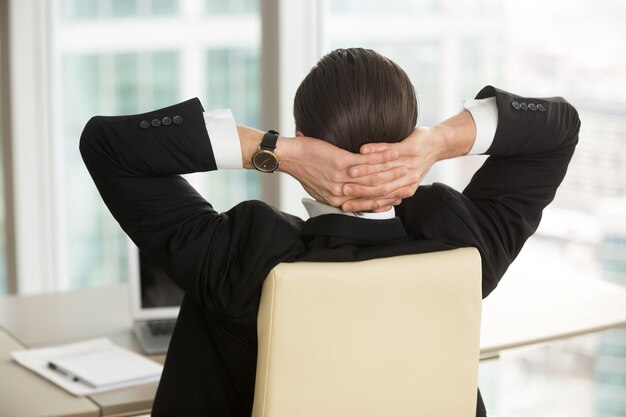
[{"x": 417, "y": 154}]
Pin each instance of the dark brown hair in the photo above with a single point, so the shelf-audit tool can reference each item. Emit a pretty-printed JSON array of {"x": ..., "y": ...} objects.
[{"x": 356, "y": 96}]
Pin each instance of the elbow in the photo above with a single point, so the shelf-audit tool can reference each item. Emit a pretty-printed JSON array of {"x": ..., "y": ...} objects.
[
  {"x": 571, "y": 116},
  {"x": 573, "y": 123},
  {"x": 89, "y": 138},
  {"x": 573, "y": 112},
  {"x": 569, "y": 122}
]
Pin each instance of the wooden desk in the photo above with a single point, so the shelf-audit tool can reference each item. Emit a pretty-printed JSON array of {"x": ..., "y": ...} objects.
[
  {"x": 515, "y": 315},
  {"x": 22, "y": 393},
  {"x": 51, "y": 319}
]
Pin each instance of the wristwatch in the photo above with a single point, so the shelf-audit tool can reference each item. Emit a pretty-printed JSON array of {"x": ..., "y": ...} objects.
[{"x": 265, "y": 159}]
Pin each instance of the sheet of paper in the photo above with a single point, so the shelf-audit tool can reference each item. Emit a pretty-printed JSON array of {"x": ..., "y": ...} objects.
[{"x": 103, "y": 364}]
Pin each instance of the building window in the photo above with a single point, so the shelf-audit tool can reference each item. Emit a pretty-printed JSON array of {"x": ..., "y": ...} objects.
[
  {"x": 122, "y": 71},
  {"x": 106, "y": 84},
  {"x": 232, "y": 81},
  {"x": 232, "y": 6},
  {"x": 98, "y": 9},
  {"x": 3, "y": 232}
]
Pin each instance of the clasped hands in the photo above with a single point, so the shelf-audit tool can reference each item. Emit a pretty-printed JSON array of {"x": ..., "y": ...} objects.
[{"x": 375, "y": 179}]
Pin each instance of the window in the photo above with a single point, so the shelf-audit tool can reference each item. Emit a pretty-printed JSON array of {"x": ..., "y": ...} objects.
[
  {"x": 232, "y": 82},
  {"x": 98, "y": 9},
  {"x": 125, "y": 56},
  {"x": 161, "y": 65},
  {"x": 93, "y": 84}
]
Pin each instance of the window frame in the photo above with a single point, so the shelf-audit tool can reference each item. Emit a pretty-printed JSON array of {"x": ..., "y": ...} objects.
[
  {"x": 10, "y": 284},
  {"x": 31, "y": 175}
]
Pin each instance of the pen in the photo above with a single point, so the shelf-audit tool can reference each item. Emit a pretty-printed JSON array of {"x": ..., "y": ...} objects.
[{"x": 67, "y": 374}]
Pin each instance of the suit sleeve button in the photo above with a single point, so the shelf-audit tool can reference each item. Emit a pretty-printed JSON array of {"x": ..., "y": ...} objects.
[
  {"x": 515, "y": 105},
  {"x": 155, "y": 122},
  {"x": 532, "y": 107},
  {"x": 166, "y": 121},
  {"x": 523, "y": 106},
  {"x": 144, "y": 124},
  {"x": 541, "y": 107},
  {"x": 177, "y": 120}
]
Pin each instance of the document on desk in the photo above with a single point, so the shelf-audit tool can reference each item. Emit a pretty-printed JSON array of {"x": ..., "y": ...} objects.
[{"x": 90, "y": 367}]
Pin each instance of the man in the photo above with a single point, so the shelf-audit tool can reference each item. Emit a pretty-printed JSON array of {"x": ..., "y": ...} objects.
[{"x": 221, "y": 260}]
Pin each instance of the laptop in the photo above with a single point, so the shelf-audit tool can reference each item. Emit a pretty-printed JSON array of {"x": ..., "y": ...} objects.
[{"x": 154, "y": 302}]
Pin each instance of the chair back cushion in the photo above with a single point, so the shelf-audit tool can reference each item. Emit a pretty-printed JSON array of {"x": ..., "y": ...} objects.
[{"x": 392, "y": 337}]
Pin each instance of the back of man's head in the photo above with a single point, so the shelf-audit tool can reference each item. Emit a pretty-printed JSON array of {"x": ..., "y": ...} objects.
[{"x": 356, "y": 96}]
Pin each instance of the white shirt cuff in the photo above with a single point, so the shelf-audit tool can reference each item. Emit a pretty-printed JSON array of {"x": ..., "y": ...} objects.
[
  {"x": 485, "y": 115},
  {"x": 220, "y": 125}
]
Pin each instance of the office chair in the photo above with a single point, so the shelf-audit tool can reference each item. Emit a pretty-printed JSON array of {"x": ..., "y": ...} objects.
[{"x": 392, "y": 337}]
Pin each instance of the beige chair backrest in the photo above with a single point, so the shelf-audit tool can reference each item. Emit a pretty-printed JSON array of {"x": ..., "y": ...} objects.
[{"x": 391, "y": 337}]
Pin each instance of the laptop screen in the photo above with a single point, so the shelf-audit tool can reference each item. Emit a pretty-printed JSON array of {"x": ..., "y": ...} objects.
[{"x": 157, "y": 289}]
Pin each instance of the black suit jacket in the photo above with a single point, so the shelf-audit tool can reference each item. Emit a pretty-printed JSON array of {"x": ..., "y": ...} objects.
[{"x": 221, "y": 259}]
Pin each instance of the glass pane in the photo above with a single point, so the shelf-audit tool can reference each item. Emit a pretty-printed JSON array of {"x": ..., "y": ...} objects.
[
  {"x": 80, "y": 9},
  {"x": 164, "y": 78},
  {"x": 232, "y": 6},
  {"x": 123, "y": 8},
  {"x": 93, "y": 9},
  {"x": 111, "y": 78},
  {"x": 233, "y": 82},
  {"x": 104, "y": 84},
  {"x": 164, "y": 7},
  {"x": 81, "y": 78},
  {"x": 126, "y": 83},
  {"x": 366, "y": 6}
]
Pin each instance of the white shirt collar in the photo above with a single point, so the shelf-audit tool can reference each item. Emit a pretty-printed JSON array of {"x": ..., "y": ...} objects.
[{"x": 315, "y": 208}]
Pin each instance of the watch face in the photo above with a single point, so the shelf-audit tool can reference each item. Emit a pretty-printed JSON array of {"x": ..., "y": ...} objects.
[{"x": 265, "y": 161}]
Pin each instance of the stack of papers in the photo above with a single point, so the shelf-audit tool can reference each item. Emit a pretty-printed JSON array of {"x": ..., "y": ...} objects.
[{"x": 89, "y": 367}]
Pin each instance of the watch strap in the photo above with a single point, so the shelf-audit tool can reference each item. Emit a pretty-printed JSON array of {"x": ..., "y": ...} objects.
[{"x": 269, "y": 140}]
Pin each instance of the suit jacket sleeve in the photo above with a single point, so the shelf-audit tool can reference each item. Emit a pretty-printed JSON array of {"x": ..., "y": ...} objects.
[
  {"x": 136, "y": 166},
  {"x": 503, "y": 203}
]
